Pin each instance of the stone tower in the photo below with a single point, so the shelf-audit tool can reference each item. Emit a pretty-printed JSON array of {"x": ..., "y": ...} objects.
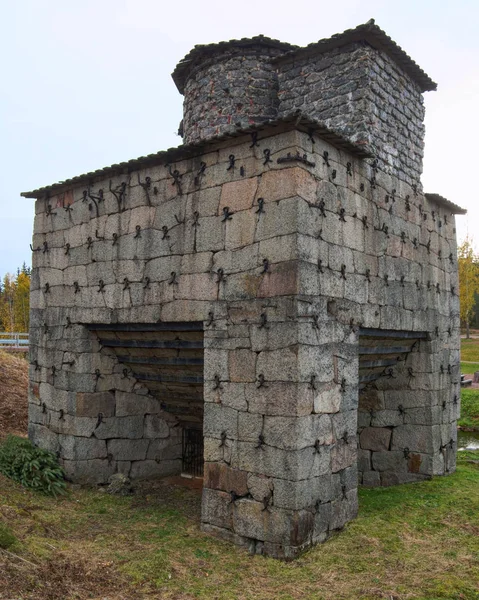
[{"x": 272, "y": 305}]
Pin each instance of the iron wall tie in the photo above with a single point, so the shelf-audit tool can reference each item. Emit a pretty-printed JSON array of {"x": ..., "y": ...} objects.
[
  {"x": 232, "y": 160},
  {"x": 227, "y": 215},
  {"x": 261, "y": 382},
  {"x": 265, "y": 265},
  {"x": 260, "y": 441},
  {"x": 146, "y": 185},
  {"x": 263, "y": 321},
  {"x": 200, "y": 174}
]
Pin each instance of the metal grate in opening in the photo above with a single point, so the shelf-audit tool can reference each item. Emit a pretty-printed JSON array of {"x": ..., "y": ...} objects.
[{"x": 192, "y": 463}]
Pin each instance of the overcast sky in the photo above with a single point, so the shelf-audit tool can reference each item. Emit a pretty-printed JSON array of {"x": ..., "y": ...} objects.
[{"x": 86, "y": 83}]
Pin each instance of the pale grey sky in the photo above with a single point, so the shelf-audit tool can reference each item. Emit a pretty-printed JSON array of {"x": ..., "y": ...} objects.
[{"x": 86, "y": 83}]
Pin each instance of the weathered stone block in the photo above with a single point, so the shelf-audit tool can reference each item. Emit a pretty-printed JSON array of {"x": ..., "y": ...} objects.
[
  {"x": 218, "y": 476},
  {"x": 129, "y": 404},
  {"x": 298, "y": 495},
  {"x": 375, "y": 438},
  {"x": 418, "y": 438},
  {"x": 343, "y": 455},
  {"x": 371, "y": 479},
  {"x": 150, "y": 469},
  {"x": 273, "y": 525},
  {"x": 219, "y": 419},
  {"x": 238, "y": 195},
  {"x": 156, "y": 427},
  {"x": 127, "y": 449},
  {"x": 217, "y": 508},
  {"x": 344, "y": 510},
  {"x": 242, "y": 365},
  {"x": 120, "y": 427},
  {"x": 91, "y": 405},
  {"x": 259, "y": 486},
  {"x": 286, "y": 183},
  {"x": 389, "y": 461},
  {"x": 88, "y": 471},
  {"x": 75, "y": 448}
]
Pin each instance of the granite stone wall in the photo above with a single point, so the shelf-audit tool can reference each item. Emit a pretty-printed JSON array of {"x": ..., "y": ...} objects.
[
  {"x": 235, "y": 88},
  {"x": 360, "y": 92},
  {"x": 285, "y": 263}
]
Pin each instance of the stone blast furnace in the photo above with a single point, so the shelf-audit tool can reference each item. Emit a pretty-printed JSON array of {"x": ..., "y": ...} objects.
[{"x": 272, "y": 306}]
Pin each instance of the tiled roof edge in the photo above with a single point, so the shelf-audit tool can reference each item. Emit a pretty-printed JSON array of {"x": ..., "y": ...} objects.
[
  {"x": 376, "y": 37},
  {"x": 445, "y": 203},
  {"x": 295, "y": 120},
  {"x": 180, "y": 74}
]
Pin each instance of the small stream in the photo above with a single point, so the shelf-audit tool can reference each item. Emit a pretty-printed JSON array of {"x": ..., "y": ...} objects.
[{"x": 467, "y": 440}]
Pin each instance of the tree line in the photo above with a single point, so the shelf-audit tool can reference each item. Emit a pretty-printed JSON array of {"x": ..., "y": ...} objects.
[
  {"x": 468, "y": 265},
  {"x": 15, "y": 300}
]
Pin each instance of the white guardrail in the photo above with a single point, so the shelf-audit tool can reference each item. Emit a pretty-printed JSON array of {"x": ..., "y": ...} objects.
[{"x": 14, "y": 341}]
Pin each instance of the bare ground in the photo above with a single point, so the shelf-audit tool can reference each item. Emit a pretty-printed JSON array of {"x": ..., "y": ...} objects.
[{"x": 13, "y": 394}]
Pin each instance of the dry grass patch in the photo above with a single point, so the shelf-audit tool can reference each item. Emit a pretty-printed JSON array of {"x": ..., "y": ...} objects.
[
  {"x": 417, "y": 541},
  {"x": 13, "y": 394}
]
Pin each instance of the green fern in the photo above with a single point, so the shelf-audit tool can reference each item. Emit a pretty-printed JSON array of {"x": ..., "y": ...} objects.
[{"x": 33, "y": 467}]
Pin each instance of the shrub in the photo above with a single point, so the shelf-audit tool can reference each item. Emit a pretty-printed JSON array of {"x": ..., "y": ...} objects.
[
  {"x": 33, "y": 467},
  {"x": 7, "y": 538}
]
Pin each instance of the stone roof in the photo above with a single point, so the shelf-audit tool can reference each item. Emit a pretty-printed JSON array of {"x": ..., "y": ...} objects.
[
  {"x": 292, "y": 121},
  {"x": 377, "y": 38},
  {"x": 455, "y": 209},
  {"x": 202, "y": 51}
]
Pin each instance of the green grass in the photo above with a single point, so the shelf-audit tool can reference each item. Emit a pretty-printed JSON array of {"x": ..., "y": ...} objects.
[
  {"x": 468, "y": 368},
  {"x": 416, "y": 541},
  {"x": 469, "y": 409},
  {"x": 7, "y": 538},
  {"x": 470, "y": 350}
]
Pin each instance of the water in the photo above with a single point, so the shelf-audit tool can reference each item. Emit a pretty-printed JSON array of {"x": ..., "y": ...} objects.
[{"x": 467, "y": 440}]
